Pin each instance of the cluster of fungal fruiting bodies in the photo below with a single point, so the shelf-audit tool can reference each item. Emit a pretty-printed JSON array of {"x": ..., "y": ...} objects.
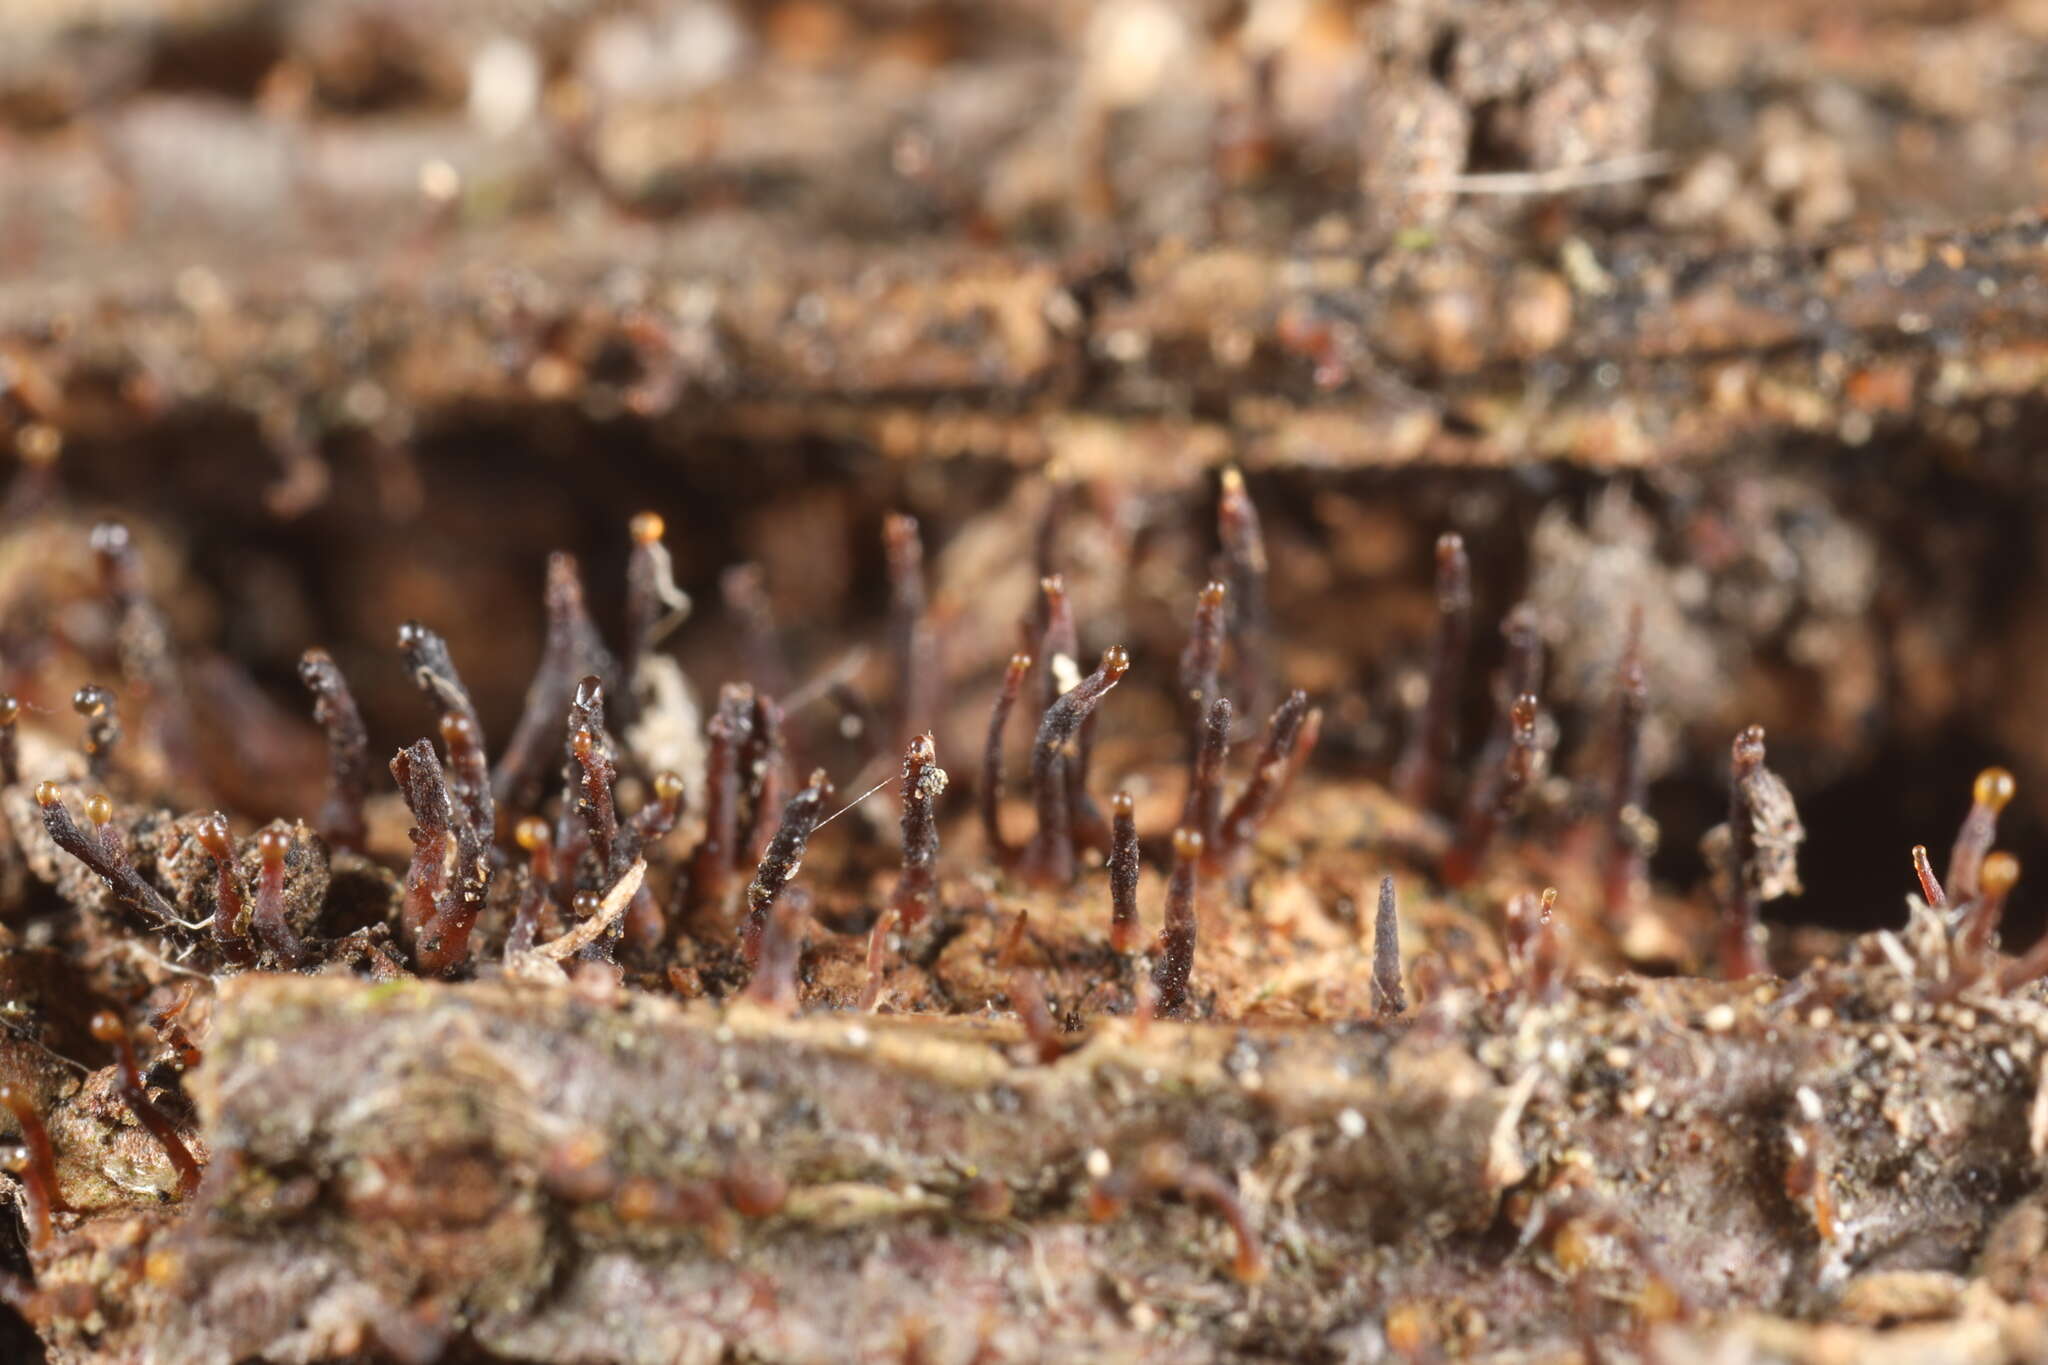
[{"x": 571, "y": 858}]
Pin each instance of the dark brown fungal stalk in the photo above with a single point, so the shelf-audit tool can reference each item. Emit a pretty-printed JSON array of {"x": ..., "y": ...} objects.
[
  {"x": 1624, "y": 857},
  {"x": 10, "y": 741},
  {"x": 1761, "y": 859},
  {"x": 1011, "y": 950},
  {"x": 913, "y": 646},
  {"x": 38, "y": 1167},
  {"x": 468, "y": 774},
  {"x": 102, "y": 727},
  {"x": 417, "y": 771},
  {"x": 1059, "y": 642},
  {"x": 1520, "y": 763},
  {"x": 727, "y": 733},
  {"x": 654, "y": 820},
  {"x": 1388, "y": 998},
  {"x": 573, "y": 650},
  {"x": 877, "y": 961},
  {"x": 1176, "y": 964},
  {"x": 597, "y": 772},
  {"x": 230, "y": 907},
  {"x": 776, "y": 951},
  {"x": 348, "y": 749},
  {"x": 780, "y": 862},
  {"x": 1050, "y": 858},
  {"x": 109, "y": 1029},
  {"x": 1281, "y": 753},
  {"x": 1059, "y": 652},
  {"x": 1203, "y": 808},
  {"x": 1930, "y": 889},
  {"x": 533, "y": 836},
  {"x": 1000, "y": 849},
  {"x": 443, "y": 947},
  {"x": 1989, "y": 794},
  {"x": 655, "y": 606},
  {"x": 1244, "y": 569},
  {"x": 122, "y": 880},
  {"x": 1123, "y": 874},
  {"x": 1201, "y": 662},
  {"x": 924, "y": 781},
  {"x": 764, "y": 776},
  {"x": 273, "y": 928},
  {"x": 1428, "y": 754},
  {"x": 1041, "y": 1033}
]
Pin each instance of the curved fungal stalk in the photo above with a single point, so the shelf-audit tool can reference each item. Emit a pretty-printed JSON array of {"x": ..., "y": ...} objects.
[
  {"x": 230, "y": 908},
  {"x": 653, "y": 821},
  {"x": 1201, "y": 662},
  {"x": 122, "y": 880},
  {"x": 433, "y": 671},
  {"x": 1989, "y": 794},
  {"x": 1050, "y": 858},
  {"x": 102, "y": 727},
  {"x": 38, "y": 1168},
  {"x": 992, "y": 760},
  {"x": 1428, "y": 755},
  {"x": 348, "y": 749},
  {"x": 779, "y": 864},
  {"x": 1059, "y": 651},
  {"x": 1123, "y": 874},
  {"x": 655, "y": 606},
  {"x": 1165, "y": 1166},
  {"x": 1281, "y": 753},
  {"x": 923, "y": 783},
  {"x": 1176, "y": 962},
  {"x": 273, "y": 927},
  {"x": 1388, "y": 997},
  {"x": 109, "y": 1029},
  {"x": 2033, "y": 964}
]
